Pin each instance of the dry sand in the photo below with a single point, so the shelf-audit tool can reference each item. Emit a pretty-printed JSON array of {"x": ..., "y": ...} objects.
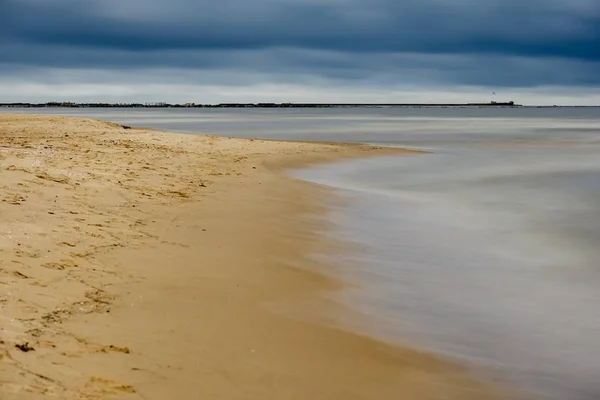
[{"x": 137, "y": 264}]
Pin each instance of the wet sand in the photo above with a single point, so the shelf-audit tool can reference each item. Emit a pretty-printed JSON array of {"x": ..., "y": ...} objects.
[{"x": 137, "y": 264}]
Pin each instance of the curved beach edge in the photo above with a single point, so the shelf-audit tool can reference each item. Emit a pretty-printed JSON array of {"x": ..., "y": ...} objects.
[{"x": 149, "y": 265}]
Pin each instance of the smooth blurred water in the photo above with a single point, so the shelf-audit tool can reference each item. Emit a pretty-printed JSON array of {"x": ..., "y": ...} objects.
[
  {"x": 487, "y": 249},
  {"x": 490, "y": 256}
]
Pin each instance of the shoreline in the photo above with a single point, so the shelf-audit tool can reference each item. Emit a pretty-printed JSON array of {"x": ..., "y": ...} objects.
[
  {"x": 146, "y": 265},
  {"x": 492, "y": 104}
]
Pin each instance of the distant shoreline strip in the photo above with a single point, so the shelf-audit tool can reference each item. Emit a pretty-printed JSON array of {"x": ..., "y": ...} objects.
[{"x": 252, "y": 105}]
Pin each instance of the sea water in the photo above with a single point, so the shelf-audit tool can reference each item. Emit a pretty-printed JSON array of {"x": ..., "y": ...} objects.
[
  {"x": 489, "y": 256},
  {"x": 486, "y": 249}
]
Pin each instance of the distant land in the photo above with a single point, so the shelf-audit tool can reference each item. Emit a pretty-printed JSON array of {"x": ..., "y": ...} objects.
[{"x": 249, "y": 105}]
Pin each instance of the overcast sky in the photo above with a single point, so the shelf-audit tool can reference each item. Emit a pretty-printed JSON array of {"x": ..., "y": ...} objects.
[{"x": 210, "y": 51}]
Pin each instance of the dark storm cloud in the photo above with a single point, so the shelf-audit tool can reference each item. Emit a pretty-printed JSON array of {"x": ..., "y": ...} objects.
[
  {"x": 465, "y": 41},
  {"x": 302, "y": 66},
  {"x": 521, "y": 27}
]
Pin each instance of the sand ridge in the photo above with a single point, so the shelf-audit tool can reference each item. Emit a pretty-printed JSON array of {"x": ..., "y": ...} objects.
[{"x": 137, "y": 264}]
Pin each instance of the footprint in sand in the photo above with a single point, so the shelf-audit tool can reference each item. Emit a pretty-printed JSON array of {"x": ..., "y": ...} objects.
[
  {"x": 15, "y": 199},
  {"x": 61, "y": 265},
  {"x": 13, "y": 390},
  {"x": 20, "y": 275},
  {"x": 105, "y": 387}
]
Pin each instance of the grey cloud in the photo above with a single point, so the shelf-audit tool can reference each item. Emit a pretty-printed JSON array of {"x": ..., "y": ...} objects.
[
  {"x": 509, "y": 43},
  {"x": 294, "y": 65},
  {"x": 516, "y": 27}
]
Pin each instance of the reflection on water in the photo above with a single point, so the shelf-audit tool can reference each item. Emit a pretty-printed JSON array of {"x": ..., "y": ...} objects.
[{"x": 485, "y": 250}]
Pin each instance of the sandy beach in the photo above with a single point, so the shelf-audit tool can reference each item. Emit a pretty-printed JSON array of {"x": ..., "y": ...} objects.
[{"x": 137, "y": 264}]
